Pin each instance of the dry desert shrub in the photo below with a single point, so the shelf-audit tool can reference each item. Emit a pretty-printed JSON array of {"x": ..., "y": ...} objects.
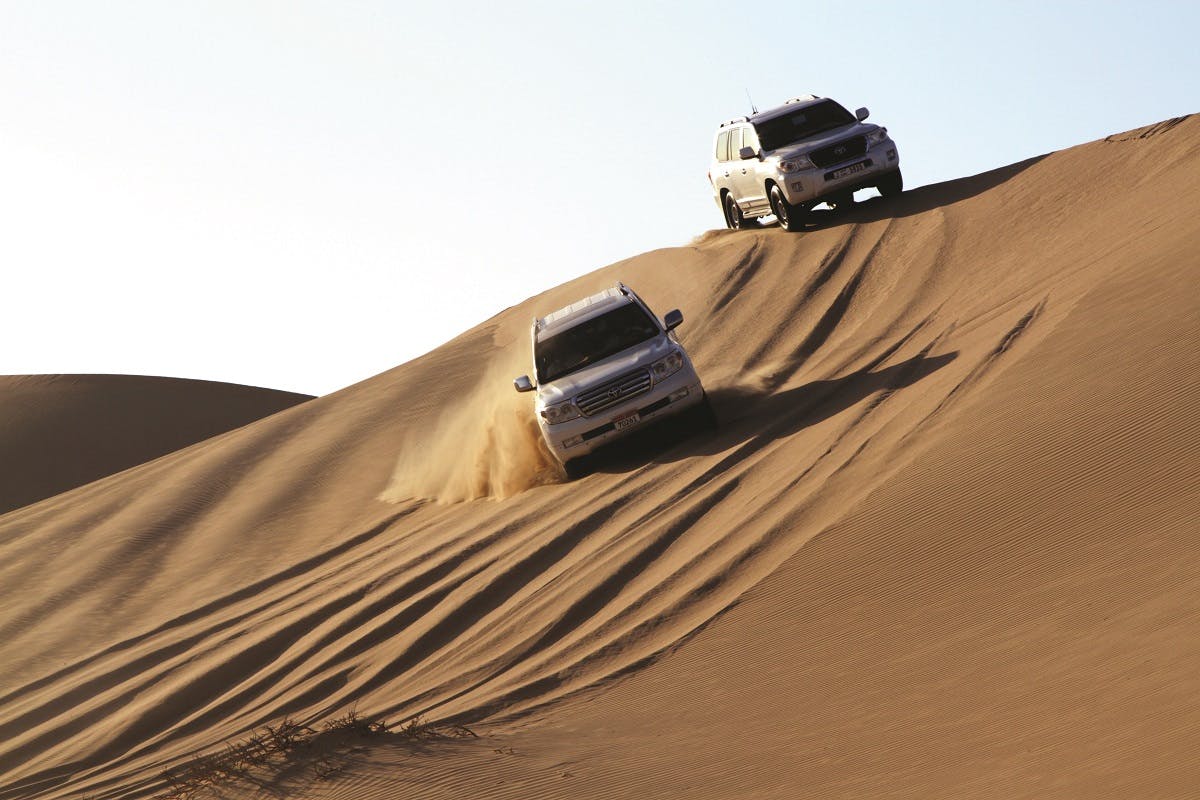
[{"x": 281, "y": 744}]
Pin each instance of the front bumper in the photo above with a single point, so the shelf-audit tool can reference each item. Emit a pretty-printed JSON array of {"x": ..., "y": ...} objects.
[
  {"x": 812, "y": 185},
  {"x": 583, "y": 435}
]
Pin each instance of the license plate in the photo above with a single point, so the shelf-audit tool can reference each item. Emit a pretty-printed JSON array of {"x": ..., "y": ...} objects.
[
  {"x": 850, "y": 170},
  {"x": 626, "y": 420}
]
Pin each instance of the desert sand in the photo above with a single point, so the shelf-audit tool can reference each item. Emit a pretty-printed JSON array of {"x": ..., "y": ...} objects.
[
  {"x": 943, "y": 544},
  {"x": 58, "y": 432}
]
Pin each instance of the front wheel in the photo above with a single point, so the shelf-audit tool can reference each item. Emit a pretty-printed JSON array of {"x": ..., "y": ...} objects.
[
  {"x": 577, "y": 468},
  {"x": 705, "y": 416},
  {"x": 891, "y": 184},
  {"x": 791, "y": 218}
]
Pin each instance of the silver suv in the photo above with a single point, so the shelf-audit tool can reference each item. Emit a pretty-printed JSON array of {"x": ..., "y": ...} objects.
[
  {"x": 808, "y": 151},
  {"x": 606, "y": 366}
]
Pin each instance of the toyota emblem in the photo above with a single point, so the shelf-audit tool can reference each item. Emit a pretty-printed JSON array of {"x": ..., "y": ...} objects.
[
  {"x": 839, "y": 151},
  {"x": 614, "y": 393}
]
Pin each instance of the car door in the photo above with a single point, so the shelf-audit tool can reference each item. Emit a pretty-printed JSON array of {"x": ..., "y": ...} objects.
[{"x": 744, "y": 172}]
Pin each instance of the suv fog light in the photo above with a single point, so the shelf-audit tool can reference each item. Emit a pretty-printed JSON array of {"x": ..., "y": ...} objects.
[
  {"x": 891, "y": 154},
  {"x": 678, "y": 394},
  {"x": 571, "y": 442}
]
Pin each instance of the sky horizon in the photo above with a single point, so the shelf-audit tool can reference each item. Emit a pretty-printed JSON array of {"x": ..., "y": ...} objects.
[{"x": 303, "y": 195}]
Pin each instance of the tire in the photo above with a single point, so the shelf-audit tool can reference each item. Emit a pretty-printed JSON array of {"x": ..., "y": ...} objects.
[
  {"x": 791, "y": 218},
  {"x": 733, "y": 214},
  {"x": 577, "y": 468},
  {"x": 705, "y": 416},
  {"x": 891, "y": 184}
]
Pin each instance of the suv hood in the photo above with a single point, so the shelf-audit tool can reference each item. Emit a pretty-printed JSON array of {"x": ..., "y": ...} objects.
[
  {"x": 826, "y": 138},
  {"x": 640, "y": 355}
]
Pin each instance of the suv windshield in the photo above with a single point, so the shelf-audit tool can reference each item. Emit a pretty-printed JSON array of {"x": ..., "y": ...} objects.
[
  {"x": 801, "y": 124},
  {"x": 591, "y": 341}
]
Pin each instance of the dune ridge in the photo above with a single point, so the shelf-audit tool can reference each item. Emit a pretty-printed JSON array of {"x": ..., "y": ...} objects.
[
  {"x": 907, "y": 393},
  {"x": 58, "y": 432}
]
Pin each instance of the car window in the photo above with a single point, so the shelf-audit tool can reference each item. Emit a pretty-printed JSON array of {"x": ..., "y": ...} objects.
[
  {"x": 592, "y": 340},
  {"x": 723, "y": 146},
  {"x": 735, "y": 143},
  {"x": 802, "y": 123},
  {"x": 750, "y": 139}
]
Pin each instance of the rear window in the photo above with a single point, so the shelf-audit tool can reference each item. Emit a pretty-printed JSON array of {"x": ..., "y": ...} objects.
[
  {"x": 723, "y": 146},
  {"x": 593, "y": 340}
]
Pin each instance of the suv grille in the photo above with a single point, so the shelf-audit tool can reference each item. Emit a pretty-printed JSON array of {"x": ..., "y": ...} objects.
[
  {"x": 631, "y": 384},
  {"x": 838, "y": 152}
]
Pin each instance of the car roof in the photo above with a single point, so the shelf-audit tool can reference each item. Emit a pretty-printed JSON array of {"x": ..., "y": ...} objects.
[
  {"x": 581, "y": 310},
  {"x": 771, "y": 113}
]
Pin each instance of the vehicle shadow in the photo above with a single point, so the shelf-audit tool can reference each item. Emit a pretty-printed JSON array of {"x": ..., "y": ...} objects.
[
  {"x": 919, "y": 200},
  {"x": 755, "y": 419}
]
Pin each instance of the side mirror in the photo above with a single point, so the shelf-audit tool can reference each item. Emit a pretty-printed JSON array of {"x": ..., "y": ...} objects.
[
  {"x": 523, "y": 384},
  {"x": 862, "y": 113},
  {"x": 747, "y": 152},
  {"x": 673, "y": 319}
]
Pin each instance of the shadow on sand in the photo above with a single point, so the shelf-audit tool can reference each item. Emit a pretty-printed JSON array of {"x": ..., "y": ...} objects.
[
  {"x": 754, "y": 419},
  {"x": 916, "y": 201}
]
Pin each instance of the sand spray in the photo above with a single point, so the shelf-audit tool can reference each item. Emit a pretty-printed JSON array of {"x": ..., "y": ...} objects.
[{"x": 486, "y": 446}]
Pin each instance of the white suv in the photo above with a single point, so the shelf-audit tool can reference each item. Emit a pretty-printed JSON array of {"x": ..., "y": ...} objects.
[
  {"x": 785, "y": 160},
  {"x": 605, "y": 366}
]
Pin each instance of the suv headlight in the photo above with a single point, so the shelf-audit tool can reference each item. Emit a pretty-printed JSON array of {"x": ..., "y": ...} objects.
[
  {"x": 875, "y": 137},
  {"x": 795, "y": 164},
  {"x": 560, "y": 412},
  {"x": 665, "y": 367}
]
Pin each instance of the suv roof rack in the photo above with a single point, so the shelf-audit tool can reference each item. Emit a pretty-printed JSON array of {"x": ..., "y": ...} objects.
[
  {"x": 804, "y": 98},
  {"x": 582, "y": 306},
  {"x": 734, "y": 121}
]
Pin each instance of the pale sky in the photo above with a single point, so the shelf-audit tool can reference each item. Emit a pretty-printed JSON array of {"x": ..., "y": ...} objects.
[{"x": 301, "y": 195}]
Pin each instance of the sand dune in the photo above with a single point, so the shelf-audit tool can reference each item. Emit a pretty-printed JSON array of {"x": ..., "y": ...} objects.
[
  {"x": 943, "y": 544},
  {"x": 62, "y": 431}
]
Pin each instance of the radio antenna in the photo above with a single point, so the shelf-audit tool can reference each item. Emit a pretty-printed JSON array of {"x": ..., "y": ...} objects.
[{"x": 753, "y": 108}]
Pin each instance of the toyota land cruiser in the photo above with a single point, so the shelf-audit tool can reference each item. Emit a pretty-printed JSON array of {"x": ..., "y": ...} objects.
[
  {"x": 786, "y": 160},
  {"x": 604, "y": 367}
]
